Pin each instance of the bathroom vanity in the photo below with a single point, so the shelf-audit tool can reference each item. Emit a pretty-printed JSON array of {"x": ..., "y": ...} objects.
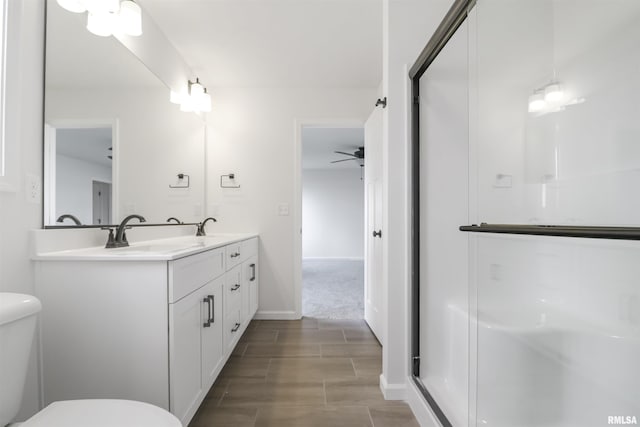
[{"x": 154, "y": 322}]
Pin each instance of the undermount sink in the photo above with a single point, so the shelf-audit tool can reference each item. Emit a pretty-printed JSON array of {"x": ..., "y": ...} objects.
[{"x": 155, "y": 248}]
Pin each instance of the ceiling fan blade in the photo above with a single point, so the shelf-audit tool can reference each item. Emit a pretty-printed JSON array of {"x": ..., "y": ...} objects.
[
  {"x": 343, "y": 160},
  {"x": 346, "y": 154}
]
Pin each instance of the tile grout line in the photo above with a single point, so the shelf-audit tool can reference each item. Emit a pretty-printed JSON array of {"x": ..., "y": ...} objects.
[{"x": 370, "y": 417}]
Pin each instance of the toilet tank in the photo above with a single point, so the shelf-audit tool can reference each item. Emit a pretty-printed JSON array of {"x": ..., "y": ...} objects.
[{"x": 17, "y": 324}]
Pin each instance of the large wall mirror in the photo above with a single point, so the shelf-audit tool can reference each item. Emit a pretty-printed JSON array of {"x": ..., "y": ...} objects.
[{"x": 114, "y": 144}]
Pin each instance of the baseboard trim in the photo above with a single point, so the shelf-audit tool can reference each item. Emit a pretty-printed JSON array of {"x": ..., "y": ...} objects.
[
  {"x": 276, "y": 315},
  {"x": 392, "y": 391},
  {"x": 420, "y": 408},
  {"x": 343, "y": 258}
]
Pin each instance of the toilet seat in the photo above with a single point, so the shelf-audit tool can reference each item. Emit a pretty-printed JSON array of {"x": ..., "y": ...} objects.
[{"x": 102, "y": 413}]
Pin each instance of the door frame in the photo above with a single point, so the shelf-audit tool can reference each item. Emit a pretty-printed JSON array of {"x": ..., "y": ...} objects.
[
  {"x": 50, "y": 128},
  {"x": 454, "y": 18},
  {"x": 297, "y": 196}
]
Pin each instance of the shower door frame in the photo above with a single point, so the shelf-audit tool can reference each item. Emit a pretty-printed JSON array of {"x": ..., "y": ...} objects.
[{"x": 454, "y": 18}]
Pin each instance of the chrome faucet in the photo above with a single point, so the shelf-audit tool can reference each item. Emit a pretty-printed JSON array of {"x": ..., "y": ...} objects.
[
  {"x": 173, "y": 218},
  {"x": 69, "y": 216},
  {"x": 200, "y": 231},
  {"x": 121, "y": 237}
]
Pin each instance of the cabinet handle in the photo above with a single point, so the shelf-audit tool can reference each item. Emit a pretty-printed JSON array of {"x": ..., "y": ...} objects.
[
  {"x": 253, "y": 272},
  {"x": 236, "y": 287},
  {"x": 212, "y": 314},
  {"x": 235, "y": 328},
  {"x": 377, "y": 233},
  {"x": 234, "y": 255},
  {"x": 208, "y": 322}
]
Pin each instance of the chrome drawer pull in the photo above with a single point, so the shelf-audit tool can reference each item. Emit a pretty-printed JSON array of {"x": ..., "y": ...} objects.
[
  {"x": 235, "y": 328},
  {"x": 235, "y": 288}
]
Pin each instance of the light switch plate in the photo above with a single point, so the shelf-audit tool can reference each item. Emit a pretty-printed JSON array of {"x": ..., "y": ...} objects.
[
  {"x": 33, "y": 189},
  {"x": 283, "y": 209}
]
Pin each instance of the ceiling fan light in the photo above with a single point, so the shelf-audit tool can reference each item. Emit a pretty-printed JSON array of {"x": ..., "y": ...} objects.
[
  {"x": 101, "y": 24},
  {"x": 130, "y": 18},
  {"x": 75, "y": 6}
]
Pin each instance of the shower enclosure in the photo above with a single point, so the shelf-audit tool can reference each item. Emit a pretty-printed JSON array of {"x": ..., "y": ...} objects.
[{"x": 526, "y": 243}]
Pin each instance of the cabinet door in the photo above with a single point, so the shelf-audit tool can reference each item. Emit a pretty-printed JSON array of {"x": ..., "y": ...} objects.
[
  {"x": 250, "y": 301},
  {"x": 186, "y": 318},
  {"x": 212, "y": 345}
]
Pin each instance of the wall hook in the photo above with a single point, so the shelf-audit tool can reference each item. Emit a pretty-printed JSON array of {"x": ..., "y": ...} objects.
[
  {"x": 181, "y": 176},
  {"x": 382, "y": 102}
]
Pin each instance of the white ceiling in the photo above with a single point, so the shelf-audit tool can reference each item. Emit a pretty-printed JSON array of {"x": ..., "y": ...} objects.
[
  {"x": 319, "y": 144},
  {"x": 276, "y": 43},
  {"x": 90, "y": 144}
]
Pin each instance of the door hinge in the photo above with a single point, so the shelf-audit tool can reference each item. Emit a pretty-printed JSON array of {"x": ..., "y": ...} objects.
[
  {"x": 416, "y": 100},
  {"x": 416, "y": 365}
]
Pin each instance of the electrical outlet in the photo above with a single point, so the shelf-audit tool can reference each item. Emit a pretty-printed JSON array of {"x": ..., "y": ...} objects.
[{"x": 33, "y": 189}]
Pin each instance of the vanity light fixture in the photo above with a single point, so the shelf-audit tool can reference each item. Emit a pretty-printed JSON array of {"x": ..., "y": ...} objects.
[
  {"x": 553, "y": 93},
  {"x": 537, "y": 102},
  {"x": 196, "y": 99},
  {"x": 107, "y": 17},
  {"x": 548, "y": 98}
]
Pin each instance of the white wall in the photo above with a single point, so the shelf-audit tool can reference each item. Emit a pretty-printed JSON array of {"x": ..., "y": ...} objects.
[
  {"x": 17, "y": 216},
  {"x": 74, "y": 186},
  {"x": 252, "y": 132},
  {"x": 155, "y": 142},
  {"x": 332, "y": 213}
]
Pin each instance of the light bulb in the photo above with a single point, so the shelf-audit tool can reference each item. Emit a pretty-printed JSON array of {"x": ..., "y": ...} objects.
[
  {"x": 102, "y": 6},
  {"x": 101, "y": 24},
  {"x": 75, "y": 6},
  {"x": 130, "y": 18},
  {"x": 187, "y": 104},
  {"x": 537, "y": 102},
  {"x": 204, "y": 103},
  {"x": 196, "y": 89},
  {"x": 553, "y": 93},
  {"x": 176, "y": 97}
]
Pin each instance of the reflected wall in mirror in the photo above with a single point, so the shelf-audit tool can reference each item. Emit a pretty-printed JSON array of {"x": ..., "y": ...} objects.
[{"x": 114, "y": 144}]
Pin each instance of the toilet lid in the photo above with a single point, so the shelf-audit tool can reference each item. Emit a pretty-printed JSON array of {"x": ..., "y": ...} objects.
[{"x": 102, "y": 413}]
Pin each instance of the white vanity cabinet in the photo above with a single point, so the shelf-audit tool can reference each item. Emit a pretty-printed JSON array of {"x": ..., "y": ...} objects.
[
  {"x": 157, "y": 331},
  {"x": 195, "y": 325}
]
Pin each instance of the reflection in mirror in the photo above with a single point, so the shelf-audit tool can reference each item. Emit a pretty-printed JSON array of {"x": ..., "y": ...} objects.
[
  {"x": 83, "y": 155},
  {"x": 114, "y": 144}
]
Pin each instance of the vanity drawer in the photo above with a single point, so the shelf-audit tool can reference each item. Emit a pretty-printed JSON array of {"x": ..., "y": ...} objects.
[
  {"x": 248, "y": 249},
  {"x": 233, "y": 289},
  {"x": 233, "y": 254},
  {"x": 189, "y": 273}
]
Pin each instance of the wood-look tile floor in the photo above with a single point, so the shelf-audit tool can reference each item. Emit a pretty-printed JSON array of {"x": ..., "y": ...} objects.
[{"x": 303, "y": 373}]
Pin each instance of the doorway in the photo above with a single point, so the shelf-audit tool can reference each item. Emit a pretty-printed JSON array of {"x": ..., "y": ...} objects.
[
  {"x": 333, "y": 222},
  {"x": 79, "y": 172}
]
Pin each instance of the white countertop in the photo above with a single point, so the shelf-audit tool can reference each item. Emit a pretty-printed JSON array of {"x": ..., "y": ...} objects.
[{"x": 150, "y": 250}]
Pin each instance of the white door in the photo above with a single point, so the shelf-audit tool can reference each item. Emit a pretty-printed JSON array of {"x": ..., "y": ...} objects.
[{"x": 373, "y": 307}]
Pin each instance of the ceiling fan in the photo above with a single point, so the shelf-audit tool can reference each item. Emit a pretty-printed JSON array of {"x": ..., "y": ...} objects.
[{"x": 357, "y": 155}]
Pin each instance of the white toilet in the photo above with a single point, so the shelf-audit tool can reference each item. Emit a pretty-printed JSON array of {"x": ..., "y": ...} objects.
[{"x": 18, "y": 314}]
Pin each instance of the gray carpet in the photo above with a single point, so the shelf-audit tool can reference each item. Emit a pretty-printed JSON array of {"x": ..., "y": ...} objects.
[{"x": 333, "y": 289}]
